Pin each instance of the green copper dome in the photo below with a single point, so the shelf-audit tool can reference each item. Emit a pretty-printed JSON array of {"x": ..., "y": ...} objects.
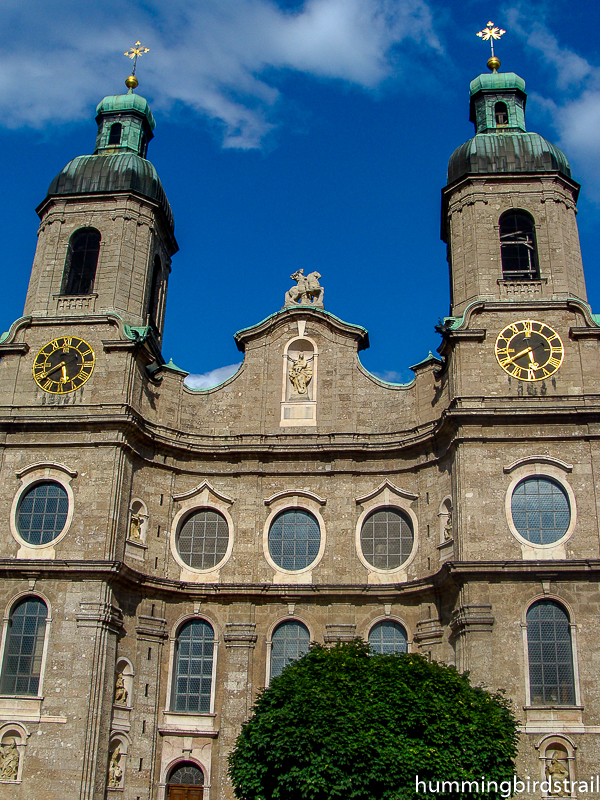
[
  {"x": 501, "y": 143},
  {"x": 122, "y": 172},
  {"x": 119, "y": 163}
]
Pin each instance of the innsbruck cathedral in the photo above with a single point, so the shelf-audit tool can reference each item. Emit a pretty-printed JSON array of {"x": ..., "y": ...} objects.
[{"x": 166, "y": 551}]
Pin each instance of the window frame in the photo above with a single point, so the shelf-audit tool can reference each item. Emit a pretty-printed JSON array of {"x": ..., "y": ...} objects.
[
  {"x": 374, "y": 623},
  {"x": 269, "y": 642},
  {"x": 295, "y": 501},
  {"x": 540, "y": 467},
  {"x": 507, "y": 275},
  {"x": 387, "y": 500},
  {"x": 42, "y": 472},
  {"x": 26, "y": 699},
  {"x": 207, "y": 501},
  {"x": 549, "y": 597},
  {"x": 172, "y": 675},
  {"x": 68, "y": 263},
  {"x": 183, "y": 521}
]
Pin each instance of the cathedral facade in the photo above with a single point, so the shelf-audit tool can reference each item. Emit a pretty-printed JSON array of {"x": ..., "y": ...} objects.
[{"x": 166, "y": 551}]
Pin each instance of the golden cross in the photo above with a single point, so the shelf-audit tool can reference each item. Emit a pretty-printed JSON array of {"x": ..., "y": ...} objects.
[
  {"x": 134, "y": 52},
  {"x": 489, "y": 33}
]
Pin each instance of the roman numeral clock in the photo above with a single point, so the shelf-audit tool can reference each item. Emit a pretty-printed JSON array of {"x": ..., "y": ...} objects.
[
  {"x": 529, "y": 350},
  {"x": 63, "y": 365}
]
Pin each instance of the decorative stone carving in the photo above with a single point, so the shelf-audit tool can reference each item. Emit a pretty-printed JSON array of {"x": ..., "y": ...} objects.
[
  {"x": 557, "y": 772},
  {"x": 135, "y": 528},
  {"x": 9, "y": 762},
  {"x": 308, "y": 292},
  {"x": 115, "y": 772},
  {"x": 300, "y": 374},
  {"x": 448, "y": 527},
  {"x": 121, "y": 693}
]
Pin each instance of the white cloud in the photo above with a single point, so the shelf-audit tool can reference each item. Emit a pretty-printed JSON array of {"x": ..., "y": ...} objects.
[
  {"x": 392, "y": 376},
  {"x": 220, "y": 58},
  {"x": 207, "y": 380}
]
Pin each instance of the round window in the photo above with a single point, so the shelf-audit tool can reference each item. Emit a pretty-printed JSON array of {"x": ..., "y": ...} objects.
[
  {"x": 540, "y": 510},
  {"x": 42, "y": 513},
  {"x": 203, "y": 539},
  {"x": 386, "y": 538},
  {"x": 294, "y": 539}
]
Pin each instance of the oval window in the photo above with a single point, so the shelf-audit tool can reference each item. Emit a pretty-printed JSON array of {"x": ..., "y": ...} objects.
[
  {"x": 294, "y": 539},
  {"x": 42, "y": 513},
  {"x": 540, "y": 510},
  {"x": 387, "y": 538},
  {"x": 203, "y": 539}
]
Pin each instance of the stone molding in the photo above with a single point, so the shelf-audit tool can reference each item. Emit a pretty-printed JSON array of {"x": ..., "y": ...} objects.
[
  {"x": 339, "y": 632},
  {"x": 100, "y": 615},
  {"x": 240, "y": 634},
  {"x": 471, "y": 619}
]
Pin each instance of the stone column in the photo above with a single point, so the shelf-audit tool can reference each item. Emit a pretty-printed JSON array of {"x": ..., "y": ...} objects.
[
  {"x": 99, "y": 624},
  {"x": 240, "y": 639}
]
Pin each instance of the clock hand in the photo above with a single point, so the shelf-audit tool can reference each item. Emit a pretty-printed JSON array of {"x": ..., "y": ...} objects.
[
  {"x": 50, "y": 371},
  {"x": 64, "y": 378},
  {"x": 518, "y": 355}
]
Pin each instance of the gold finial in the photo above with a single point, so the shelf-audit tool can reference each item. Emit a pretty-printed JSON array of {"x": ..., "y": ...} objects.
[
  {"x": 134, "y": 53},
  {"x": 488, "y": 34}
]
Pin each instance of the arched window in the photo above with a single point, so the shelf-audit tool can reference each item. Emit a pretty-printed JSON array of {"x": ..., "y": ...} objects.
[
  {"x": 114, "y": 136},
  {"x": 189, "y": 780},
  {"x": 551, "y": 675},
  {"x": 192, "y": 684},
  {"x": 501, "y": 115},
  {"x": 294, "y": 539},
  {"x": 81, "y": 262},
  {"x": 22, "y": 664},
  {"x": 154, "y": 298},
  {"x": 518, "y": 247},
  {"x": 291, "y": 640},
  {"x": 388, "y": 637}
]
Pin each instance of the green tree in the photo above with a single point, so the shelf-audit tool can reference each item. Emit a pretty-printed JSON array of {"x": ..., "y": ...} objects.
[{"x": 342, "y": 722}]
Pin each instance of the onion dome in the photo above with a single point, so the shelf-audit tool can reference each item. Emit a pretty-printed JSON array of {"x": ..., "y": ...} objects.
[
  {"x": 119, "y": 163},
  {"x": 502, "y": 144}
]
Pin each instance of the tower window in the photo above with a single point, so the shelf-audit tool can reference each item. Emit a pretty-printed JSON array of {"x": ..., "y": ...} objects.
[
  {"x": 143, "y": 147},
  {"x": 115, "y": 133},
  {"x": 81, "y": 262},
  {"x": 518, "y": 247},
  {"x": 501, "y": 115},
  {"x": 154, "y": 299}
]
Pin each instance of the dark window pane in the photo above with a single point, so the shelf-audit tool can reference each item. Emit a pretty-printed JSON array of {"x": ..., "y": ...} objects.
[
  {"x": 81, "y": 262},
  {"x": 186, "y": 774},
  {"x": 24, "y": 647},
  {"x": 550, "y": 654},
  {"x": 42, "y": 513},
  {"x": 115, "y": 134},
  {"x": 518, "y": 247}
]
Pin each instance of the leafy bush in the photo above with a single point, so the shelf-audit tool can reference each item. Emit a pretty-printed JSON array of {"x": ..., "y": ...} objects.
[{"x": 342, "y": 722}]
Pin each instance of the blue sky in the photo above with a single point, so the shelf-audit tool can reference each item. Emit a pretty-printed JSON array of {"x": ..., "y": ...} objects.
[{"x": 291, "y": 134}]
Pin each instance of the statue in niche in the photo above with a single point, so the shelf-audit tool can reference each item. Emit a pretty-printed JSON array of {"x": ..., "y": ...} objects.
[
  {"x": 9, "y": 762},
  {"x": 308, "y": 292},
  {"x": 448, "y": 527},
  {"x": 557, "y": 772},
  {"x": 115, "y": 773},
  {"x": 135, "y": 528},
  {"x": 300, "y": 374},
  {"x": 121, "y": 693}
]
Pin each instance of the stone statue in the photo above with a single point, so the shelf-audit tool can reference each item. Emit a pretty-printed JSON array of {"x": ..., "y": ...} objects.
[
  {"x": 448, "y": 527},
  {"x": 300, "y": 374},
  {"x": 9, "y": 762},
  {"x": 121, "y": 693},
  {"x": 556, "y": 772},
  {"x": 308, "y": 292},
  {"x": 115, "y": 773},
  {"x": 135, "y": 528}
]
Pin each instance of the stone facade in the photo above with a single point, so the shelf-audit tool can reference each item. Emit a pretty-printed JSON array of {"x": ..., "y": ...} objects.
[{"x": 137, "y": 453}]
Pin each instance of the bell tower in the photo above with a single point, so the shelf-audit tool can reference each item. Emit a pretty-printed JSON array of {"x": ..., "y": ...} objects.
[
  {"x": 509, "y": 206},
  {"x": 106, "y": 236}
]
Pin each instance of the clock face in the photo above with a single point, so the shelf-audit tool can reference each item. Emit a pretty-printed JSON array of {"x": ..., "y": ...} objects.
[
  {"x": 63, "y": 365},
  {"x": 529, "y": 350}
]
